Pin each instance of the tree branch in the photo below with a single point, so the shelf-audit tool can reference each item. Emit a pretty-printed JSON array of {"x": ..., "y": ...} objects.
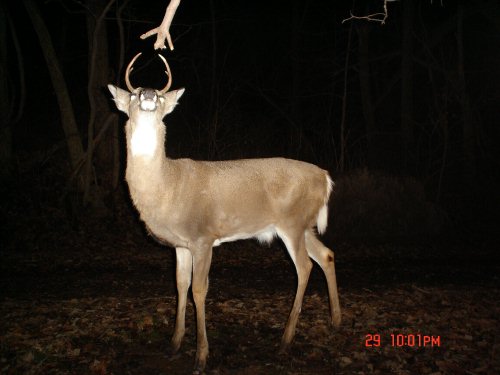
[{"x": 163, "y": 31}]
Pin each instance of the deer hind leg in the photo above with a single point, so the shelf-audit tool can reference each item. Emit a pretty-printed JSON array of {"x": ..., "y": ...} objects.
[
  {"x": 295, "y": 244},
  {"x": 201, "y": 266},
  {"x": 325, "y": 258},
  {"x": 184, "y": 270}
]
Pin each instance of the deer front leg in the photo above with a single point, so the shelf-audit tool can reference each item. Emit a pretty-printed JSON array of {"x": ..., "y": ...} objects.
[
  {"x": 184, "y": 270},
  {"x": 201, "y": 265}
]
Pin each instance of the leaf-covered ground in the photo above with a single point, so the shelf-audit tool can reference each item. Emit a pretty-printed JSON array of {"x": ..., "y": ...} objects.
[{"x": 101, "y": 300}]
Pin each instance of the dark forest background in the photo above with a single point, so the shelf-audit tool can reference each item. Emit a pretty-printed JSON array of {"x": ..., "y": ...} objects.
[{"x": 403, "y": 114}]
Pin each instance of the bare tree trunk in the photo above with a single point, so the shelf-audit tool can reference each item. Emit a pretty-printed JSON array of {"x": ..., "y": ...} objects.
[
  {"x": 99, "y": 119},
  {"x": 343, "y": 135},
  {"x": 407, "y": 83},
  {"x": 68, "y": 122},
  {"x": 469, "y": 131},
  {"x": 5, "y": 103},
  {"x": 116, "y": 176},
  {"x": 295, "y": 141},
  {"x": 365, "y": 85},
  {"x": 213, "y": 110}
]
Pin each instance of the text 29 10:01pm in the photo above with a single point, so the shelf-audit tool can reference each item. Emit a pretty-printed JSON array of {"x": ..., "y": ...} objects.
[{"x": 401, "y": 340}]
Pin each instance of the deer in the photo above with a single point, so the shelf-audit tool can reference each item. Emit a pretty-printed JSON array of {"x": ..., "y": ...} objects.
[{"x": 194, "y": 206}]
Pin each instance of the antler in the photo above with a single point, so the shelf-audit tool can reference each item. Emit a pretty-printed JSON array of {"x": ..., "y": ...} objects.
[
  {"x": 169, "y": 73},
  {"x": 129, "y": 69}
]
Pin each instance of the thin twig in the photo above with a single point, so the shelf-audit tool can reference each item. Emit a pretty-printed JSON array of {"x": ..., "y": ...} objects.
[{"x": 380, "y": 17}]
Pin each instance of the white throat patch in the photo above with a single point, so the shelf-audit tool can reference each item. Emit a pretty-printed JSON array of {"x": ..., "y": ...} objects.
[{"x": 144, "y": 138}]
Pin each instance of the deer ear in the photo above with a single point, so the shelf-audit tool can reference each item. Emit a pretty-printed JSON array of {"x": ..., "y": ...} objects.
[
  {"x": 180, "y": 92},
  {"x": 121, "y": 98},
  {"x": 171, "y": 99}
]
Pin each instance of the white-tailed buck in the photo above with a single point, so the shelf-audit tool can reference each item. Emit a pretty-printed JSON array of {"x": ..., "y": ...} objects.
[{"x": 196, "y": 205}]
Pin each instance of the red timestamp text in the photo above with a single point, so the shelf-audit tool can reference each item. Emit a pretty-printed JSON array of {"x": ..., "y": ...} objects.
[{"x": 416, "y": 340}]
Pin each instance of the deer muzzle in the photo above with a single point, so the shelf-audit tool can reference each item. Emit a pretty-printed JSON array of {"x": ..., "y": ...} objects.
[{"x": 148, "y": 99}]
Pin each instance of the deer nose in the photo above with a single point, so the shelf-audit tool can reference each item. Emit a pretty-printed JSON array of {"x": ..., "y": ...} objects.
[
  {"x": 148, "y": 94},
  {"x": 148, "y": 99}
]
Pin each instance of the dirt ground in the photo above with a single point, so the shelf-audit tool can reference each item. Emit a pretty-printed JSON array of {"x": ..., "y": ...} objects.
[{"x": 101, "y": 300}]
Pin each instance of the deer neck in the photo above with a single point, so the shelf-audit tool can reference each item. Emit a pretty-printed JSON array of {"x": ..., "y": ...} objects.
[{"x": 148, "y": 169}]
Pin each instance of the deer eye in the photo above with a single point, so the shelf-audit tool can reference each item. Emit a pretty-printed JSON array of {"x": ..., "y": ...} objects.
[{"x": 133, "y": 97}]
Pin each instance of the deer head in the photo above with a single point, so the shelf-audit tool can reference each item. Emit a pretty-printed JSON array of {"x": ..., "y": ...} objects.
[{"x": 145, "y": 107}]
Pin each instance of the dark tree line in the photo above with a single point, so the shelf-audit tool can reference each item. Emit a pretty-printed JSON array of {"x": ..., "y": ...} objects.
[{"x": 414, "y": 96}]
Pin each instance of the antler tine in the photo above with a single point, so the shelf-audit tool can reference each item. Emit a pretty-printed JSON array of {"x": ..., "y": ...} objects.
[
  {"x": 129, "y": 69},
  {"x": 169, "y": 73}
]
